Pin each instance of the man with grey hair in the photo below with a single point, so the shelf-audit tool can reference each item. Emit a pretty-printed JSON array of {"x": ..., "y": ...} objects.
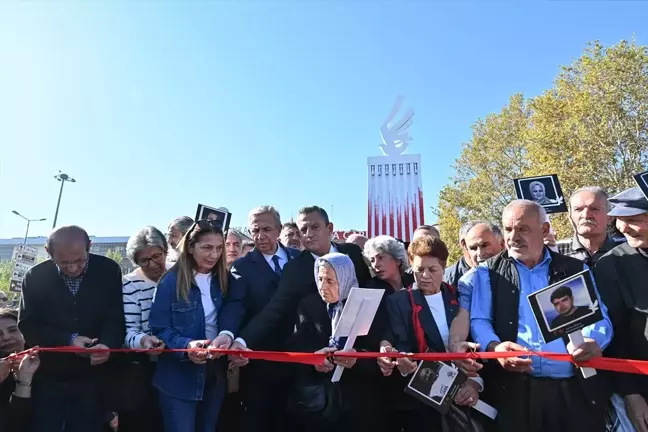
[
  {"x": 479, "y": 241},
  {"x": 526, "y": 388},
  {"x": 424, "y": 230},
  {"x": 178, "y": 227},
  {"x": 588, "y": 213},
  {"x": 263, "y": 384},
  {"x": 73, "y": 299}
]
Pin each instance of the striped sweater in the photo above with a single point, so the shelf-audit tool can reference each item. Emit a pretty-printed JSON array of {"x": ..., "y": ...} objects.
[{"x": 137, "y": 292}]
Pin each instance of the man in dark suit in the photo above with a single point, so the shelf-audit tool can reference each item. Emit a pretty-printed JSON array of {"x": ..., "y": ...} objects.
[
  {"x": 73, "y": 299},
  {"x": 263, "y": 386},
  {"x": 297, "y": 297}
]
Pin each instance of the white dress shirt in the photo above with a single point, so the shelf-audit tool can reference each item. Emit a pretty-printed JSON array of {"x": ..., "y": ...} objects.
[
  {"x": 437, "y": 307},
  {"x": 283, "y": 258}
]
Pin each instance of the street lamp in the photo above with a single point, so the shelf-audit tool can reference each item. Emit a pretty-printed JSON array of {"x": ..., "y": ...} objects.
[
  {"x": 62, "y": 177},
  {"x": 28, "y": 222}
]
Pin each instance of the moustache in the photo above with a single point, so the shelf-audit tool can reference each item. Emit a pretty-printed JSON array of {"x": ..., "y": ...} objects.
[
  {"x": 591, "y": 222},
  {"x": 516, "y": 244}
]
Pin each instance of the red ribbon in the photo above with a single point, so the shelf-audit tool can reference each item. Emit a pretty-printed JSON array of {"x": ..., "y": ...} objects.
[{"x": 604, "y": 363}]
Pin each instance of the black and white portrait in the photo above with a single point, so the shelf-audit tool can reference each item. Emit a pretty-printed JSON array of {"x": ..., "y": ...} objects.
[
  {"x": 545, "y": 190},
  {"x": 436, "y": 384},
  {"x": 642, "y": 182},
  {"x": 566, "y": 307},
  {"x": 219, "y": 216}
]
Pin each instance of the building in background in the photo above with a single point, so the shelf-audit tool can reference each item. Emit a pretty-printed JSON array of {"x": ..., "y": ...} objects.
[
  {"x": 342, "y": 236},
  {"x": 395, "y": 196},
  {"x": 113, "y": 246}
]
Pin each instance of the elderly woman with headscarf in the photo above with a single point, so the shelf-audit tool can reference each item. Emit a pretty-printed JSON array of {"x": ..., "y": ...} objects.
[
  {"x": 538, "y": 193},
  {"x": 335, "y": 277},
  {"x": 147, "y": 249}
]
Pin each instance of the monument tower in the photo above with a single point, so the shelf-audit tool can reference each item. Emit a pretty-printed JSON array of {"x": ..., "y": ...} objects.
[{"x": 395, "y": 194}]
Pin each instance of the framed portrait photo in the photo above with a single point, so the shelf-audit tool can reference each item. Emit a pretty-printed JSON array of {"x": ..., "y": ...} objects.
[
  {"x": 219, "y": 216},
  {"x": 545, "y": 190},
  {"x": 566, "y": 307},
  {"x": 436, "y": 384},
  {"x": 642, "y": 182}
]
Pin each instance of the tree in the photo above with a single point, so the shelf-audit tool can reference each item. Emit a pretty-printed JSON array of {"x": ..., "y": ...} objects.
[
  {"x": 590, "y": 128},
  {"x": 482, "y": 183},
  {"x": 115, "y": 256},
  {"x": 5, "y": 275}
]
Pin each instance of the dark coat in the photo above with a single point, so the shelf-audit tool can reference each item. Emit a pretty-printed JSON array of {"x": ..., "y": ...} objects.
[
  {"x": 403, "y": 338},
  {"x": 258, "y": 283},
  {"x": 50, "y": 315},
  {"x": 297, "y": 297}
]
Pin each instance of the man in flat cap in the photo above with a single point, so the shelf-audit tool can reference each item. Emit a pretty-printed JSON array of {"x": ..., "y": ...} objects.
[{"x": 622, "y": 278}]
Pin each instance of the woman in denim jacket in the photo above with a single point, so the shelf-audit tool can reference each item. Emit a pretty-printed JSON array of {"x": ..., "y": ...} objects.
[{"x": 197, "y": 305}]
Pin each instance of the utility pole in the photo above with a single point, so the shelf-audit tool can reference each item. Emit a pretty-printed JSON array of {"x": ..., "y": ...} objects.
[
  {"x": 62, "y": 177},
  {"x": 28, "y": 222}
]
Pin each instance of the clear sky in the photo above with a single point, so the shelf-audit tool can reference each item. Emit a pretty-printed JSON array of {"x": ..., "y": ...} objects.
[{"x": 154, "y": 106}]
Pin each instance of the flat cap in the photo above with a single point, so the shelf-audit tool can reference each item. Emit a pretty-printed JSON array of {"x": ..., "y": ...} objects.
[{"x": 630, "y": 202}]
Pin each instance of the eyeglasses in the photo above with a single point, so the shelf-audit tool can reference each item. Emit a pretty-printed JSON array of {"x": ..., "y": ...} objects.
[
  {"x": 76, "y": 263},
  {"x": 145, "y": 262}
]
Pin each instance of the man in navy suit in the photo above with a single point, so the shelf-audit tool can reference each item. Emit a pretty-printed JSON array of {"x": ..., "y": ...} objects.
[{"x": 263, "y": 384}]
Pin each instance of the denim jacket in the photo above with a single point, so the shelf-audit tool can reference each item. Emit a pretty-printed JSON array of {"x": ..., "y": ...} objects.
[{"x": 177, "y": 322}]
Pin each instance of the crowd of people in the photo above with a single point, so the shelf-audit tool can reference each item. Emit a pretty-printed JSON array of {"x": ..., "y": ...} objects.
[{"x": 197, "y": 287}]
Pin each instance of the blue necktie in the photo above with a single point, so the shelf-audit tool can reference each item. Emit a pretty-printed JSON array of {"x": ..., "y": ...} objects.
[{"x": 277, "y": 267}]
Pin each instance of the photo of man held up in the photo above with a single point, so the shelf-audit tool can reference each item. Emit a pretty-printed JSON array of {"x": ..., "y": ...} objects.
[{"x": 563, "y": 301}]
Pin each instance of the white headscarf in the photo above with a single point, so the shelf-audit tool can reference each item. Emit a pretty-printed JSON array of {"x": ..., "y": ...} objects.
[{"x": 346, "y": 278}]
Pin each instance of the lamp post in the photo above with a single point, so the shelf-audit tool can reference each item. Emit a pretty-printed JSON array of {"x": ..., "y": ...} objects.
[
  {"x": 28, "y": 222},
  {"x": 62, "y": 177}
]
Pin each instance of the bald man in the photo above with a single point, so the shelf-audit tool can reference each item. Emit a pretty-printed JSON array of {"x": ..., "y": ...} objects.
[
  {"x": 501, "y": 320},
  {"x": 357, "y": 239},
  {"x": 73, "y": 299}
]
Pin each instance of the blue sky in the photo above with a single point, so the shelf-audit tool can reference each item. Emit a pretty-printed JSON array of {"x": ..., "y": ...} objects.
[{"x": 154, "y": 106}]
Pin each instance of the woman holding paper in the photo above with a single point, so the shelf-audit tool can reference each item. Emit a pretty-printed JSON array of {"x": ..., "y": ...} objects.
[
  {"x": 419, "y": 320},
  {"x": 335, "y": 277}
]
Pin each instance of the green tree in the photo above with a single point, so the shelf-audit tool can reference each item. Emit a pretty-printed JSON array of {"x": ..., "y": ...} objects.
[
  {"x": 482, "y": 183},
  {"x": 115, "y": 256},
  {"x": 590, "y": 128},
  {"x": 5, "y": 275}
]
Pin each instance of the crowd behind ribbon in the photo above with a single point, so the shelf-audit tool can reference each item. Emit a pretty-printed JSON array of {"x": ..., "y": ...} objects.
[{"x": 197, "y": 287}]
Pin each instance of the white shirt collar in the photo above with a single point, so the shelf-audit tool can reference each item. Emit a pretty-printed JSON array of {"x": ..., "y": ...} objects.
[
  {"x": 281, "y": 253},
  {"x": 332, "y": 250}
]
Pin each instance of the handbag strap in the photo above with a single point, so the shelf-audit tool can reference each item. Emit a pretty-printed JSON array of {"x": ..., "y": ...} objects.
[{"x": 418, "y": 328}]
